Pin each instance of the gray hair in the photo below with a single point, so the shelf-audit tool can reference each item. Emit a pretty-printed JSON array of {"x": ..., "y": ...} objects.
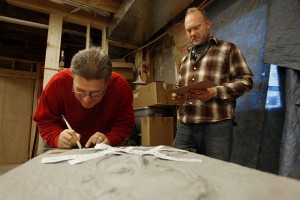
[
  {"x": 194, "y": 9},
  {"x": 92, "y": 64}
]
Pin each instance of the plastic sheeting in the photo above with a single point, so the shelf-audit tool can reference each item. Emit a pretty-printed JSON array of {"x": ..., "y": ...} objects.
[
  {"x": 244, "y": 23},
  {"x": 283, "y": 48},
  {"x": 290, "y": 147},
  {"x": 283, "y": 38}
]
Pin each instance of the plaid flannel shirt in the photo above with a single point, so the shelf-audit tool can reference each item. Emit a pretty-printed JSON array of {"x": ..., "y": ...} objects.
[{"x": 222, "y": 63}]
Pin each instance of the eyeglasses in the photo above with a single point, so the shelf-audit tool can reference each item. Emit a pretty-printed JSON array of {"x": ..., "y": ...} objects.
[{"x": 90, "y": 94}]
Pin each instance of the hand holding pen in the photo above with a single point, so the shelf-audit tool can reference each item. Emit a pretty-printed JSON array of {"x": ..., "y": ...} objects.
[{"x": 68, "y": 136}]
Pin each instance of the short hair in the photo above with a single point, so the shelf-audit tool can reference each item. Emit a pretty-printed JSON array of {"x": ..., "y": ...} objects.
[
  {"x": 92, "y": 64},
  {"x": 194, "y": 9}
]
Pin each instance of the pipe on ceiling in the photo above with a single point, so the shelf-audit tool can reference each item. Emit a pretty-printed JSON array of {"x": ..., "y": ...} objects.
[{"x": 23, "y": 22}]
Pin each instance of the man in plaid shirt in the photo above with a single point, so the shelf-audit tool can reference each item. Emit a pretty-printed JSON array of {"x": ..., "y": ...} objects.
[{"x": 207, "y": 116}]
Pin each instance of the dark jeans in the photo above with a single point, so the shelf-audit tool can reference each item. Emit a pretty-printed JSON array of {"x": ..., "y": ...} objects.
[{"x": 211, "y": 139}]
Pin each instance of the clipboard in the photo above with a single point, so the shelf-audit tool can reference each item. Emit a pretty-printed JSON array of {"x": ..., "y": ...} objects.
[{"x": 199, "y": 85}]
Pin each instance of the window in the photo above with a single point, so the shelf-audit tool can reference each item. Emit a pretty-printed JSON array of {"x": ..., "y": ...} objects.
[{"x": 273, "y": 94}]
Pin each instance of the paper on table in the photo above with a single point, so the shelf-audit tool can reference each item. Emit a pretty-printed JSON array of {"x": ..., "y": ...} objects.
[
  {"x": 106, "y": 149},
  {"x": 199, "y": 85}
]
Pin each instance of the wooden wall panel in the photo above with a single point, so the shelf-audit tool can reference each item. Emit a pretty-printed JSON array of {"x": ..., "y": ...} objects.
[{"x": 16, "y": 102}]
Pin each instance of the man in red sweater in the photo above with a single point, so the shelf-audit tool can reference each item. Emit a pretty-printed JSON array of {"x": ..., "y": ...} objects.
[{"x": 96, "y": 102}]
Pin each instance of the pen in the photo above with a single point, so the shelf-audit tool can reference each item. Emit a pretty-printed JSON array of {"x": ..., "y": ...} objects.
[{"x": 69, "y": 127}]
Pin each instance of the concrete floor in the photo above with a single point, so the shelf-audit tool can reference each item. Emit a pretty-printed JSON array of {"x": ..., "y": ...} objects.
[{"x": 7, "y": 167}]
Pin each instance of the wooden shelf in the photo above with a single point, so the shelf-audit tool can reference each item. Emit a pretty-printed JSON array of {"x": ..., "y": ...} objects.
[{"x": 124, "y": 69}]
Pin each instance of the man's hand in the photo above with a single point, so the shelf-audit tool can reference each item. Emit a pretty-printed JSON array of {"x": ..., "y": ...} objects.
[
  {"x": 97, "y": 138},
  {"x": 203, "y": 95},
  {"x": 67, "y": 139},
  {"x": 178, "y": 99}
]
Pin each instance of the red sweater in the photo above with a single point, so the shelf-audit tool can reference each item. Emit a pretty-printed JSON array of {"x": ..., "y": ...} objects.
[{"x": 113, "y": 115}]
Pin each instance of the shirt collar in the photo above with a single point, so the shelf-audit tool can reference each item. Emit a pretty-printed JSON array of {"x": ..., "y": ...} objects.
[{"x": 212, "y": 40}]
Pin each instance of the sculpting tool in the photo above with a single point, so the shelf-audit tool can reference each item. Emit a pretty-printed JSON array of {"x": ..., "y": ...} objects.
[{"x": 69, "y": 127}]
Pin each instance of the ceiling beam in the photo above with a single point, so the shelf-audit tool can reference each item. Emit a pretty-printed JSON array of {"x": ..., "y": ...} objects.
[
  {"x": 106, "y": 5},
  {"x": 122, "y": 44},
  {"x": 81, "y": 17}
]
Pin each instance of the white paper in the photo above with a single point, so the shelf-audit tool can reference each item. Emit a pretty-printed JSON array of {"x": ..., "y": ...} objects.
[{"x": 105, "y": 149}]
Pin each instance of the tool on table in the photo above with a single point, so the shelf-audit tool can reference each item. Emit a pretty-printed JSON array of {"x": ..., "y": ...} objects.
[{"x": 69, "y": 127}]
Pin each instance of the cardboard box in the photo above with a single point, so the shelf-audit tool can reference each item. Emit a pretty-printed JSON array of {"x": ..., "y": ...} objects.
[
  {"x": 153, "y": 94},
  {"x": 148, "y": 112},
  {"x": 157, "y": 131}
]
